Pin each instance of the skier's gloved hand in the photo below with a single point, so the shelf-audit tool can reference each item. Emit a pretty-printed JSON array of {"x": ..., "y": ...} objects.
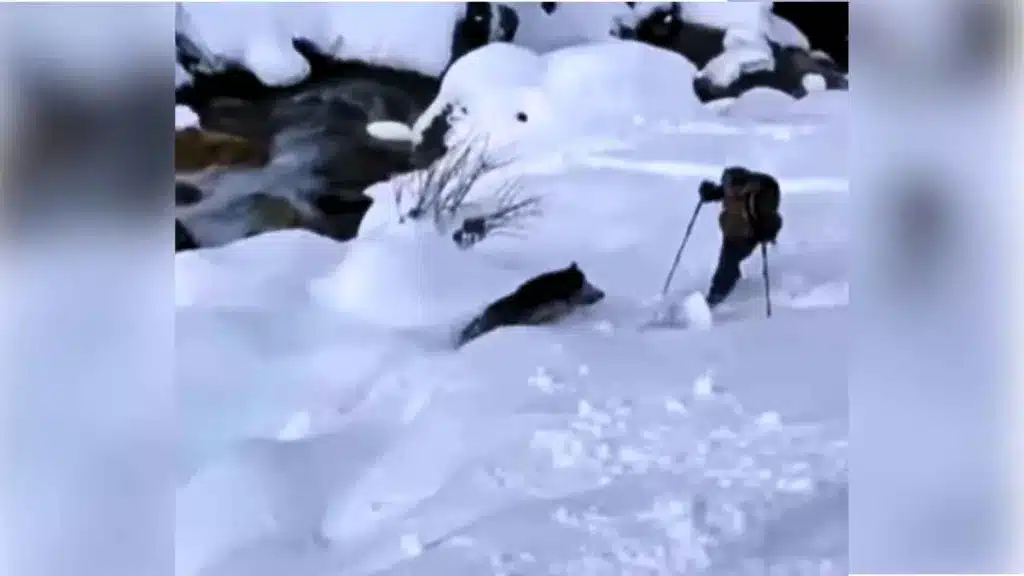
[{"x": 711, "y": 192}]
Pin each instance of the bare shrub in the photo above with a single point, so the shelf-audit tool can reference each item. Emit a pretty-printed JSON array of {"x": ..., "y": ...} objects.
[{"x": 441, "y": 191}]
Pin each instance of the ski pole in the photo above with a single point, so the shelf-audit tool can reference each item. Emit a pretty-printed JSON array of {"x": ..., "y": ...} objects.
[
  {"x": 767, "y": 281},
  {"x": 682, "y": 245}
]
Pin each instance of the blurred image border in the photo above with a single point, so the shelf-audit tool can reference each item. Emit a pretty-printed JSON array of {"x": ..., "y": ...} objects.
[
  {"x": 875, "y": 450},
  {"x": 87, "y": 432}
]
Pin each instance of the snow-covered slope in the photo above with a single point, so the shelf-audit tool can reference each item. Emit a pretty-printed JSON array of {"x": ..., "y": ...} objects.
[{"x": 329, "y": 428}]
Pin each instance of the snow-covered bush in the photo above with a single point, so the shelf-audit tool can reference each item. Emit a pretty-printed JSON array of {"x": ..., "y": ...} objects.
[{"x": 441, "y": 194}]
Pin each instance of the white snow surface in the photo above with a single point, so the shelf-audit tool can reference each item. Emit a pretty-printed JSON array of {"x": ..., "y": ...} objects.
[
  {"x": 330, "y": 429},
  {"x": 565, "y": 93}
]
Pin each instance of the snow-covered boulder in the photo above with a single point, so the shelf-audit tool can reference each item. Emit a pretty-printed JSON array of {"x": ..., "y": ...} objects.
[
  {"x": 410, "y": 277},
  {"x": 423, "y": 38},
  {"x": 520, "y": 102},
  {"x": 736, "y": 46}
]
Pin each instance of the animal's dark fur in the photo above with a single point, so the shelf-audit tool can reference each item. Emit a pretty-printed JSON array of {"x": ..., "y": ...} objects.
[{"x": 543, "y": 299}]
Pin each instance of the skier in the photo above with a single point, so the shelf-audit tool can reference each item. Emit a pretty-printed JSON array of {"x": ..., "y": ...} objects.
[{"x": 749, "y": 217}]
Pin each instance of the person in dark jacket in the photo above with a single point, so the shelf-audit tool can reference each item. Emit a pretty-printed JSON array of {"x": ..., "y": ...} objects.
[{"x": 749, "y": 217}]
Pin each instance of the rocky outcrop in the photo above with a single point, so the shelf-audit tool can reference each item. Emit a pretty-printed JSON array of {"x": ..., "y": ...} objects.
[{"x": 733, "y": 62}]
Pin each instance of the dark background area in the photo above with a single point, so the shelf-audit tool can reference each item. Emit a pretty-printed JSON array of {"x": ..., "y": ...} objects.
[{"x": 826, "y": 25}]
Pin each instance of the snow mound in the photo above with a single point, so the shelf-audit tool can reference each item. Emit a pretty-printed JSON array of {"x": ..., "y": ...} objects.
[
  {"x": 697, "y": 313},
  {"x": 767, "y": 103},
  {"x": 519, "y": 100},
  {"x": 759, "y": 103},
  {"x": 250, "y": 272},
  {"x": 409, "y": 276},
  {"x": 580, "y": 448}
]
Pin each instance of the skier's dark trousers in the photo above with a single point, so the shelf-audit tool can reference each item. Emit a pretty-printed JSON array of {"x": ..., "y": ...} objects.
[{"x": 749, "y": 217}]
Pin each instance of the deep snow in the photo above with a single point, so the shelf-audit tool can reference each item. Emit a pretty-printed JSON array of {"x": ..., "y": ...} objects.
[{"x": 330, "y": 429}]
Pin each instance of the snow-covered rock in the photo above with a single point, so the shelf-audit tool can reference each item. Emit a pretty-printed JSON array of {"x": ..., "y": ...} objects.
[
  {"x": 424, "y": 38},
  {"x": 546, "y": 99},
  {"x": 736, "y": 46}
]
